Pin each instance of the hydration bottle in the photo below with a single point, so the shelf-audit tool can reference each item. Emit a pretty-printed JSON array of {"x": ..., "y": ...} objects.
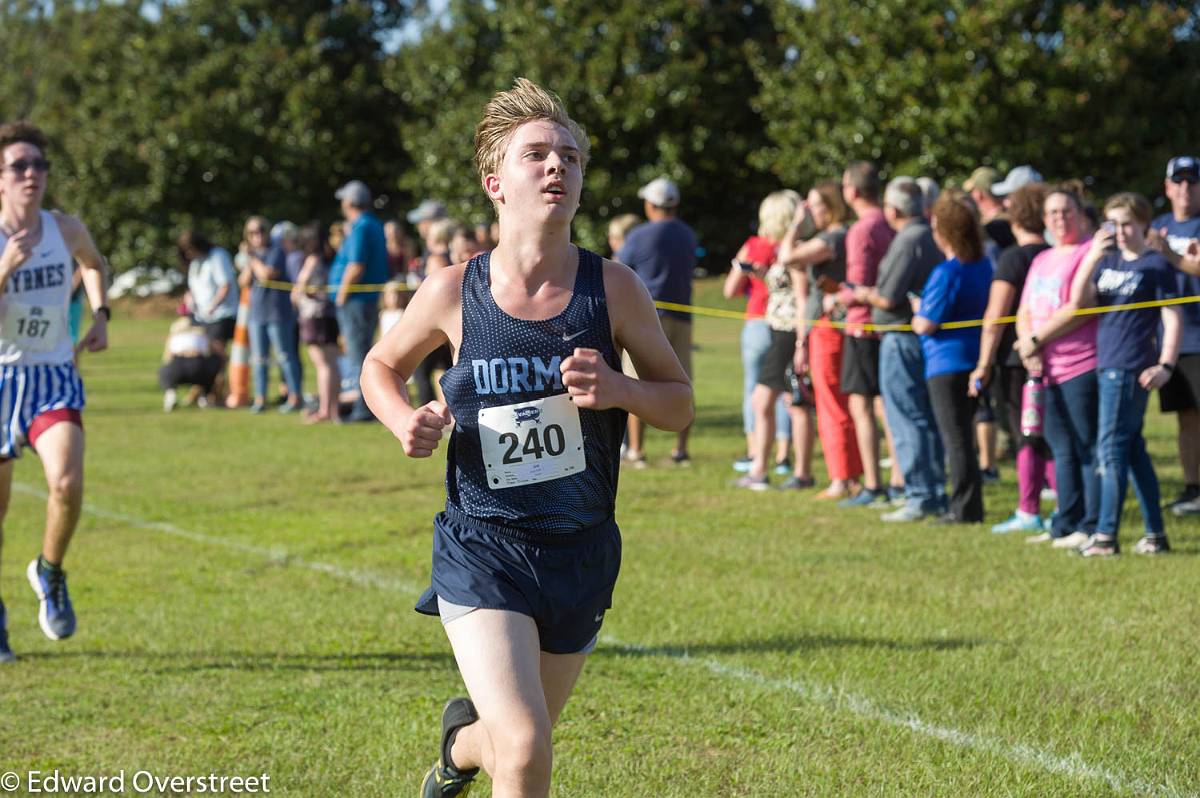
[{"x": 1033, "y": 403}]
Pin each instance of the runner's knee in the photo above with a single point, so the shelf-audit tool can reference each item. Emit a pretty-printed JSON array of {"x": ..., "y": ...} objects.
[{"x": 523, "y": 753}]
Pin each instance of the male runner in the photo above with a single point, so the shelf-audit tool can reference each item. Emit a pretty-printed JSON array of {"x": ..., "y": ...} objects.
[
  {"x": 41, "y": 395},
  {"x": 526, "y": 553}
]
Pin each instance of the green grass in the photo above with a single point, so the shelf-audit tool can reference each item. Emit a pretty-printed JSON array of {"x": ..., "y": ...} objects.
[{"x": 245, "y": 588}]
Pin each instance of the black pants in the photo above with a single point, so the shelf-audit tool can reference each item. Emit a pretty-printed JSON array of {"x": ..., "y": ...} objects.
[
  {"x": 199, "y": 370},
  {"x": 954, "y": 412}
]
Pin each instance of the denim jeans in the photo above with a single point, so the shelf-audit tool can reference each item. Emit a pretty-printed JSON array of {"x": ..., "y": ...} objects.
[
  {"x": 919, "y": 452},
  {"x": 357, "y": 320},
  {"x": 756, "y": 339},
  {"x": 1121, "y": 450},
  {"x": 1069, "y": 426},
  {"x": 279, "y": 336}
]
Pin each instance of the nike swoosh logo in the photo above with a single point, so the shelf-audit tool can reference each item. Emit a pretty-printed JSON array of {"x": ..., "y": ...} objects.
[
  {"x": 47, "y": 254},
  {"x": 573, "y": 336}
]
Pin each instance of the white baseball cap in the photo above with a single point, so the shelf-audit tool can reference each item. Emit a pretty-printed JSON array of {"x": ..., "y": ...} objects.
[{"x": 660, "y": 191}]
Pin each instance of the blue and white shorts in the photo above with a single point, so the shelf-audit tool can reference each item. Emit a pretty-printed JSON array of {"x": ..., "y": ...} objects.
[{"x": 33, "y": 398}]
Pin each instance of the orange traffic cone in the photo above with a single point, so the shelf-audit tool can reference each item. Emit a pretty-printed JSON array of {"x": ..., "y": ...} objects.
[{"x": 239, "y": 357}]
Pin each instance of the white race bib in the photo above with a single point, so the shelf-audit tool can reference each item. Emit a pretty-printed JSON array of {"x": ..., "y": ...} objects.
[
  {"x": 531, "y": 442},
  {"x": 33, "y": 328}
]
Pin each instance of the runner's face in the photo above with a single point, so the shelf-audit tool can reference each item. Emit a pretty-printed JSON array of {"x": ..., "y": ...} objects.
[
  {"x": 23, "y": 175},
  {"x": 541, "y": 174}
]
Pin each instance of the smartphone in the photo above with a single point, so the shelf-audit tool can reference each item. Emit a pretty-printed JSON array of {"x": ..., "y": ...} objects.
[
  {"x": 1110, "y": 228},
  {"x": 746, "y": 267}
]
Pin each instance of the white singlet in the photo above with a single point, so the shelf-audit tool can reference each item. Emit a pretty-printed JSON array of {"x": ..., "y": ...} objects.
[{"x": 34, "y": 306}]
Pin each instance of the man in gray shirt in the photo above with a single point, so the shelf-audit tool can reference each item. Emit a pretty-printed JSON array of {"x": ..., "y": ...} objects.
[{"x": 905, "y": 266}]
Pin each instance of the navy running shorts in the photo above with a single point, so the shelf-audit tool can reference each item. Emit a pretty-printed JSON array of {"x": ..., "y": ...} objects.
[{"x": 563, "y": 581}]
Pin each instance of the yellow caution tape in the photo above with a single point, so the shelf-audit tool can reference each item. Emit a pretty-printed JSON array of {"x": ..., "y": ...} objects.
[{"x": 721, "y": 313}]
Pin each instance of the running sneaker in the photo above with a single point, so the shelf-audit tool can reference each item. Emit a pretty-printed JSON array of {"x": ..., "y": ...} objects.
[
  {"x": 753, "y": 483},
  {"x": 1189, "y": 507},
  {"x": 865, "y": 498},
  {"x": 906, "y": 513},
  {"x": 1019, "y": 522},
  {"x": 783, "y": 467},
  {"x": 1188, "y": 496},
  {"x": 680, "y": 459},
  {"x": 1152, "y": 544},
  {"x": 1072, "y": 541},
  {"x": 6, "y": 654},
  {"x": 443, "y": 779},
  {"x": 1099, "y": 546},
  {"x": 743, "y": 464},
  {"x": 55, "y": 614},
  {"x": 798, "y": 483}
]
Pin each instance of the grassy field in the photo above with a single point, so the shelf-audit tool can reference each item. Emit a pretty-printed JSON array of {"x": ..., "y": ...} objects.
[{"x": 245, "y": 586}]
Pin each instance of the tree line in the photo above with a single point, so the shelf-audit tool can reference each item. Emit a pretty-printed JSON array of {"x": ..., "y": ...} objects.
[{"x": 176, "y": 113}]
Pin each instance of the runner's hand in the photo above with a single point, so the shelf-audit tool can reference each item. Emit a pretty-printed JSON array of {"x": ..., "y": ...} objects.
[
  {"x": 424, "y": 428},
  {"x": 16, "y": 251},
  {"x": 96, "y": 339},
  {"x": 589, "y": 380},
  {"x": 981, "y": 376}
]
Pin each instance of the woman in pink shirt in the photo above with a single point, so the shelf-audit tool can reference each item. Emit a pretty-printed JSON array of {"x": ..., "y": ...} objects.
[{"x": 1055, "y": 343}]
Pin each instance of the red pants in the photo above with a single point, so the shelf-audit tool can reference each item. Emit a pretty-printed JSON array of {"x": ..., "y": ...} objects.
[{"x": 834, "y": 424}]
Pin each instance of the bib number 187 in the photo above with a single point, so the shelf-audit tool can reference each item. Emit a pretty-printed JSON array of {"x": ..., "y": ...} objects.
[
  {"x": 33, "y": 328},
  {"x": 538, "y": 441}
]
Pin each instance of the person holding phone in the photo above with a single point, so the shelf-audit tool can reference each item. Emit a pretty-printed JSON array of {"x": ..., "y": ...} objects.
[{"x": 1132, "y": 359}]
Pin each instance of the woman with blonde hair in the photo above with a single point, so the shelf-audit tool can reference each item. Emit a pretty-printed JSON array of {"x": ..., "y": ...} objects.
[
  {"x": 819, "y": 264},
  {"x": 771, "y": 320}
]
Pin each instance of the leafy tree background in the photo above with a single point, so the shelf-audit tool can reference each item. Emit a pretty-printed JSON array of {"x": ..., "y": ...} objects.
[{"x": 202, "y": 112}]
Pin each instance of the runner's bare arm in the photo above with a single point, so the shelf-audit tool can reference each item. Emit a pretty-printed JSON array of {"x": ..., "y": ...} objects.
[
  {"x": 95, "y": 278},
  {"x": 662, "y": 394},
  {"x": 433, "y": 317}
]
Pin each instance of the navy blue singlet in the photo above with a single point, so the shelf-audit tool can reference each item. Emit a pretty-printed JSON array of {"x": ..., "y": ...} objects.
[{"x": 505, "y": 360}]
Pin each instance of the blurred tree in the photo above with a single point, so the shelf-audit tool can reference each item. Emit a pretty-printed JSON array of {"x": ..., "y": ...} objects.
[
  {"x": 171, "y": 114},
  {"x": 661, "y": 89},
  {"x": 1098, "y": 90}
]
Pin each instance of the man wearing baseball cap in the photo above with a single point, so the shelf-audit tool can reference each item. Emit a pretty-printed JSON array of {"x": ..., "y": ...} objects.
[
  {"x": 982, "y": 187},
  {"x": 362, "y": 259},
  {"x": 663, "y": 253},
  {"x": 1018, "y": 176},
  {"x": 1181, "y": 395}
]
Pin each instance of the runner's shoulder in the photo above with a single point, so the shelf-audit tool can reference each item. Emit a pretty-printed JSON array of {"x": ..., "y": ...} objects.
[
  {"x": 621, "y": 282},
  {"x": 442, "y": 290},
  {"x": 73, "y": 230}
]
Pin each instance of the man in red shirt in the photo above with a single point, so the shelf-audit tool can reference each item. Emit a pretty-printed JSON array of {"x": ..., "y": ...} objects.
[{"x": 866, "y": 242}]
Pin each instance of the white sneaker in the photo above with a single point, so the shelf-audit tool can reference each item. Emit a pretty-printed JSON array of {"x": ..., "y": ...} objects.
[
  {"x": 170, "y": 400},
  {"x": 1190, "y": 507},
  {"x": 1071, "y": 541}
]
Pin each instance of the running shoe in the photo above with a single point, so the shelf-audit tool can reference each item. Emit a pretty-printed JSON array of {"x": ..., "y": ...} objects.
[
  {"x": 1152, "y": 544},
  {"x": 1099, "y": 546},
  {"x": 798, "y": 483},
  {"x": 443, "y": 779},
  {"x": 55, "y": 614},
  {"x": 865, "y": 498},
  {"x": 6, "y": 654},
  {"x": 753, "y": 483},
  {"x": 743, "y": 464},
  {"x": 1189, "y": 507},
  {"x": 1188, "y": 496},
  {"x": 680, "y": 459},
  {"x": 783, "y": 467},
  {"x": 908, "y": 512},
  {"x": 1019, "y": 522},
  {"x": 1071, "y": 541}
]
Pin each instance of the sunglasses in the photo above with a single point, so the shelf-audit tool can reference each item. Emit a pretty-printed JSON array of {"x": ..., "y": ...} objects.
[
  {"x": 1185, "y": 178},
  {"x": 23, "y": 166}
]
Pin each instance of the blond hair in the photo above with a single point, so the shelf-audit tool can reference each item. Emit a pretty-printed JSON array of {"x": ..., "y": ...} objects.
[
  {"x": 775, "y": 214},
  {"x": 508, "y": 110}
]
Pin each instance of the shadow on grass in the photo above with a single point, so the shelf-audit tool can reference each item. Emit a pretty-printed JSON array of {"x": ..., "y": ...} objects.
[
  {"x": 167, "y": 663},
  {"x": 788, "y": 644}
]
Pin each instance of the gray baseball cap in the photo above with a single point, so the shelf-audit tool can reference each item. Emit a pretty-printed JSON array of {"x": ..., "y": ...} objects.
[
  {"x": 1019, "y": 176},
  {"x": 356, "y": 192},
  {"x": 426, "y": 211}
]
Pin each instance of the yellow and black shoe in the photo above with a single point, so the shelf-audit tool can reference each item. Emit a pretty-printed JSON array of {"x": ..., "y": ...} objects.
[{"x": 444, "y": 780}]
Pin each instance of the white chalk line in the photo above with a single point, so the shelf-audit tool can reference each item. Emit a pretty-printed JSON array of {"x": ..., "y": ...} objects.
[{"x": 1073, "y": 765}]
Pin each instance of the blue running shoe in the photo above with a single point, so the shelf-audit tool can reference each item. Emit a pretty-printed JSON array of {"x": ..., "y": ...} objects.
[
  {"x": 55, "y": 614},
  {"x": 865, "y": 498},
  {"x": 443, "y": 779},
  {"x": 783, "y": 467},
  {"x": 1019, "y": 522},
  {"x": 6, "y": 654},
  {"x": 742, "y": 464}
]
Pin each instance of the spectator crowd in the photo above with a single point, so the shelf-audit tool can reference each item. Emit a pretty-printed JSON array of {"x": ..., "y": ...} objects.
[{"x": 862, "y": 330}]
